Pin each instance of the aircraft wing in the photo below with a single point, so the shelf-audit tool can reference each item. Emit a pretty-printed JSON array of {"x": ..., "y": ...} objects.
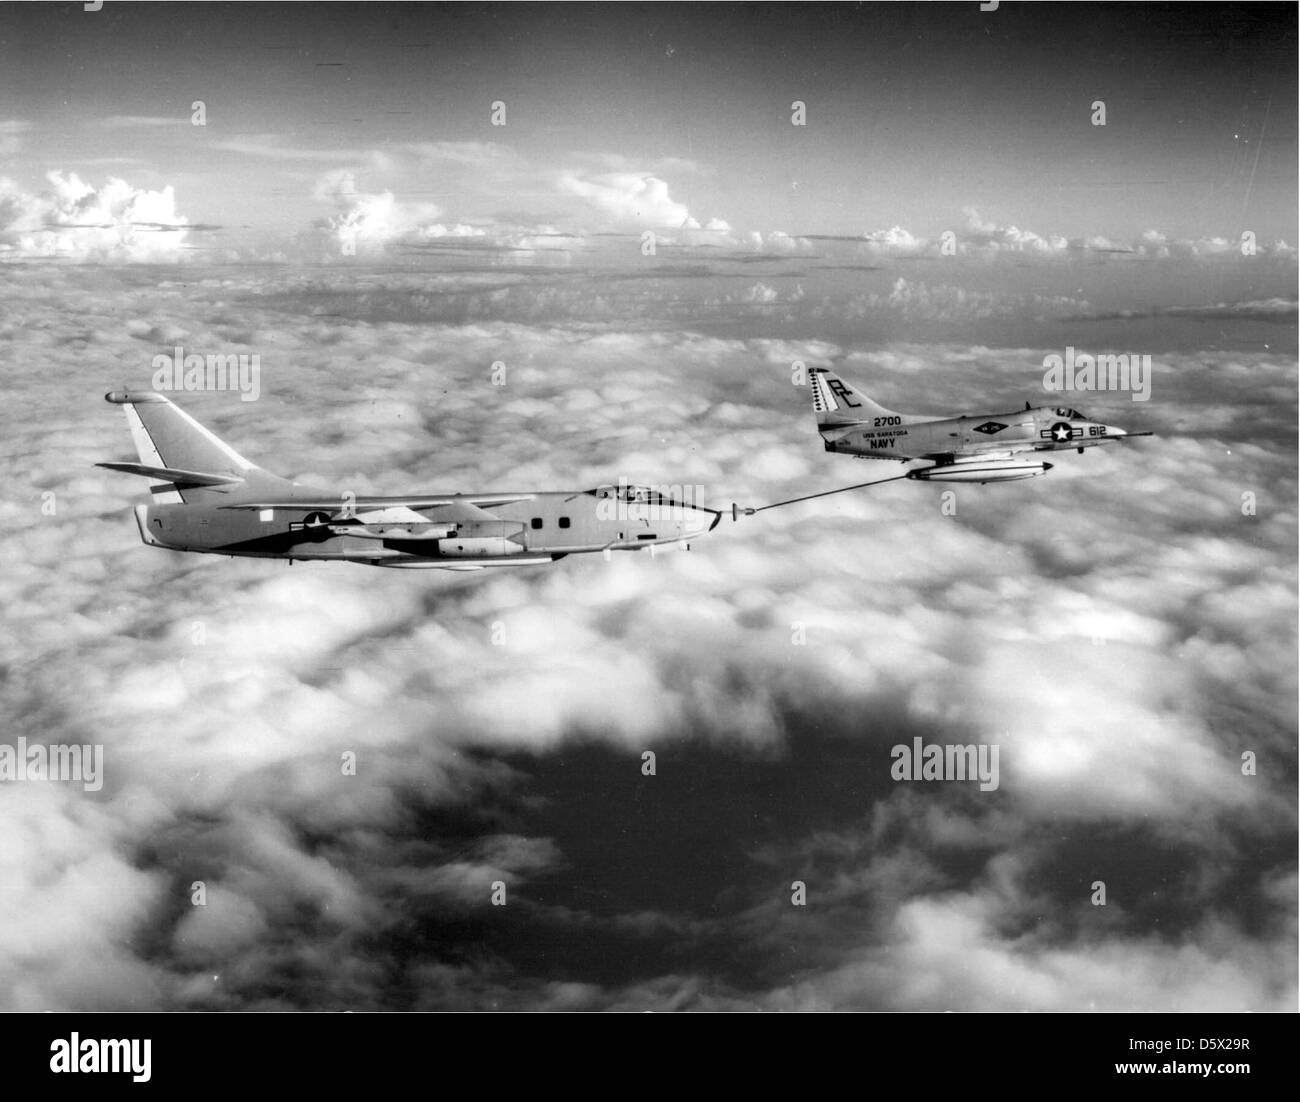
[{"x": 471, "y": 505}]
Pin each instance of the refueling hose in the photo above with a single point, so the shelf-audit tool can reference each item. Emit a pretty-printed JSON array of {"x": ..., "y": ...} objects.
[{"x": 738, "y": 511}]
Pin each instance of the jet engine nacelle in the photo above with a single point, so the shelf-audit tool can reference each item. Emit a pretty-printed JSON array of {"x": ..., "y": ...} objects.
[
  {"x": 483, "y": 539},
  {"x": 478, "y": 547},
  {"x": 488, "y": 529},
  {"x": 983, "y": 470}
]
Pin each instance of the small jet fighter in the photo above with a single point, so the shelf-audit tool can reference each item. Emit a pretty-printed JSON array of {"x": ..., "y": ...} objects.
[
  {"x": 209, "y": 498},
  {"x": 983, "y": 448}
]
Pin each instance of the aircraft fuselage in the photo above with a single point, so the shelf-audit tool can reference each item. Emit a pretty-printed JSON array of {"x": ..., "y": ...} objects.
[
  {"x": 900, "y": 436},
  {"x": 532, "y": 527}
]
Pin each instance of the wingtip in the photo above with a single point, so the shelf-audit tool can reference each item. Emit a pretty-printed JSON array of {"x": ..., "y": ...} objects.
[{"x": 133, "y": 397}]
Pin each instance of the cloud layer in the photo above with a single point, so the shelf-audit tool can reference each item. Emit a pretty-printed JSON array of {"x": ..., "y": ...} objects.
[
  {"x": 1123, "y": 630},
  {"x": 77, "y": 221}
]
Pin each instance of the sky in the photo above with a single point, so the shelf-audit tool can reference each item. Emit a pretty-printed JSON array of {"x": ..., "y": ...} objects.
[
  {"x": 1123, "y": 629},
  {"x": 912, "y": 115}
]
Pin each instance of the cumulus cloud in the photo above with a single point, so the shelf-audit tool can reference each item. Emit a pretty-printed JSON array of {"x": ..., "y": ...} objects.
[
  {"x": 367, "y": 220},
  {"x": 78, "y": 221},
  {"x": 979, "y": 237},
  {"x": 987, "y": 234},
  {"x": 602, "y": 193},
  {"x": 1159, "y": 246},
  {"x": 895, "y": 239},
  {"x": 946, "y": 953},
  {"x": 761, "y": 293},
  {"x": 628, "y": 199},
  {"x": 984, "y": 237},
  {"x": 774, "y": 241},
  {"x": 609, "y": 201}
]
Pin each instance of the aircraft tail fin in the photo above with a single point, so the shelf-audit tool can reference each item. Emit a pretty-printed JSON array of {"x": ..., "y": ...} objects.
[
  {"x": 190, "y": 460},
  {"x": 835, "y": 402}
]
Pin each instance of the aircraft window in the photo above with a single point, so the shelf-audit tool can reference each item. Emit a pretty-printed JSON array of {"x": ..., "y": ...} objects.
[
  {"x": 537, "y": 522},
  {"x": 564, "y": 522},
  {"x": 1070, "y": 414}
]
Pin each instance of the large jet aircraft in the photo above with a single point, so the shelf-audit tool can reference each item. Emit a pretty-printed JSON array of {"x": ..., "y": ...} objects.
[
  {"x": 981, "y": 448},
  {"x": 209, "y": 498}
]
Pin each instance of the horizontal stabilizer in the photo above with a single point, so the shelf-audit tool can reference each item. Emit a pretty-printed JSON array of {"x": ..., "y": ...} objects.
[{"x": 174, "y": 476}]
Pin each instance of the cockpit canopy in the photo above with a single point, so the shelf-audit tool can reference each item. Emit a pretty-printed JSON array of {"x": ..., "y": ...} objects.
[
  {"x": 1069, "y": 414},
  {"x": 624, "y": 492}
]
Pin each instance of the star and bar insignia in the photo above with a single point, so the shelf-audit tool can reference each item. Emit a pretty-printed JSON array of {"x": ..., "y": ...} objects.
[{"x": 1061, "y": 432}]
